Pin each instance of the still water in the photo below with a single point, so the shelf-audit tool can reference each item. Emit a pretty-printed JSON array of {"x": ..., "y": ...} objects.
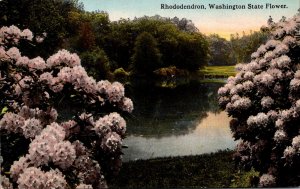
[{"x": 175, "y": 121}]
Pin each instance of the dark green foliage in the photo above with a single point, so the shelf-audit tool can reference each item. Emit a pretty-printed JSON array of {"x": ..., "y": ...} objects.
[
  {"x": 146, "y": 57},
  {"x": 243, "y": 47},
  {"x": 188, "y": 50},
  {"x": 40, "y": 16},
  {"x": 96, "y": 63},
  {"x": 121, "y": 74},
  {"x": 192, "y": 51},
  {"x": 220, "y": 51}
]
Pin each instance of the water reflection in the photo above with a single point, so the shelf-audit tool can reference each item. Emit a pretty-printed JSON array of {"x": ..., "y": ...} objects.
[
  {"x": 161, "y": 112},
  {"x": 184, "y": 120},
  {"x": 211, "y": 134}
]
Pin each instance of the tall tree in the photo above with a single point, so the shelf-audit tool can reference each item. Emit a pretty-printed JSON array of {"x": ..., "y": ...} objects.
[{"x": 146, "y": 57}]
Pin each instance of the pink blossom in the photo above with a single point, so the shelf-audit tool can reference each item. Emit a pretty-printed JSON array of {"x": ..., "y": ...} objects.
[
  {"x": 261, "y": 119},
  {"x": 3, "y": 55},
  {"x": 261, "y": 49},
  {"x": 18, "y": 167},
  {"x": 255, "y": 55},
  {"x": 296, "y": 143},
  {"x": 231, "y": 80},
  {"x": 27, "y": 34},
  {"x": 273, "y": 115},
  {"x": 289, "y": 152},
  {"x": 12, "y": 122},
  {"x": 279, "y": 33},
  {"x": 235, "y": 98},
  {"x": 223, "y": 101},
  {"x": 267, "y": 102},
  {"x": 281, "y": 49},
  {"x": 267, "y": 180},
  {"x": 13, "y": 53},
  {"x": 290, "y": 27},
  {"x": 269, "y": 55},
  {"x": 252, "y": 66},
  {"x": 279, "y": 123},
  {"x": 47, "y": 78},
  {"x": 23, "y": 61},
  {"x": 54, "y": 130},
  {"x": 295, "y": 84},
  {"x": 126, "y": 105},
  {"x": 5, "y": 183},
  {"x": 263, "y": 63},
  {"x": 115, "y": 92},
  {"x": 272, "y": 43},
  {"x": 280, "y": 135},
  {"x": 275, "y": 73},
  {"x": 63, "y": 154},
  {"x": 112, "y": 122},
  {"x": 264, "y": 78},
  {"x": 222, "y": 91},
  {"x": 55, "y": 179},
  {"x": 242, "y": 104},
  {"x": 289, "y": 40},
  {"x": 63, "y": 57},
  {"x": 32, "y": 178},
  {"x": 102, "y": 86},
  {"x": 283, "y": 61},
  {"x": 248, "y": 86},
  {"x": 31, "y": 128},
  {"x": 111, "y": 142},
  {"x": 239, "y": 67},
  {"x": 249, "y": 75},
  {"x": 40, "y": 150},
  {"x": 233, "y": 91},
  {"x": 37, "y": 63}
]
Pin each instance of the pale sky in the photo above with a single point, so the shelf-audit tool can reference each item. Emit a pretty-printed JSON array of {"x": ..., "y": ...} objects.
[{"x": 223, "y": 22}]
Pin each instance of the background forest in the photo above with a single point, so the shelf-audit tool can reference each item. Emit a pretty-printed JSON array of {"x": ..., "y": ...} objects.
[{"x": 116, "y": 49}]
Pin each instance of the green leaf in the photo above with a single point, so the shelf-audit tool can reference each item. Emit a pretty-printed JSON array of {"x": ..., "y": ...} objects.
[{"x": 4, "y": 110}]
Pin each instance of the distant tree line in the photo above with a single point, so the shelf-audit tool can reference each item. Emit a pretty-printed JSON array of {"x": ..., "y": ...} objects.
[
  {"x": 237, "y": 50},
  {"x": 138, "y": 46}
]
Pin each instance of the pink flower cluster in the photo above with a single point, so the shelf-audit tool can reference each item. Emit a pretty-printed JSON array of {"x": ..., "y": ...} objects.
[
  {"x": 110, "y": 123},
  {"x": 64, "y": 58},
  {"x": 267, "y": 180},
  {"x": 34, "y": 83},
  {"x": 29, "y": 122},
  {"x": 13, "y": 34},
  {"x": 5, "y": 183},
  {"x": 33, "y": 178},
  {"x": 263, "y": 98},
  {"x": 292, "y": 151}
]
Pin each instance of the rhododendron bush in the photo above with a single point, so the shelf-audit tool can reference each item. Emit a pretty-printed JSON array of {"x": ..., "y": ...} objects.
[
  {"x": 75, "y": 153},
  {"x": 263, "y": 100}
]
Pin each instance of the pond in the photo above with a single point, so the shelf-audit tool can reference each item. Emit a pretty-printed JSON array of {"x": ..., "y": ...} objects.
[{"x": 175, "y": 121}]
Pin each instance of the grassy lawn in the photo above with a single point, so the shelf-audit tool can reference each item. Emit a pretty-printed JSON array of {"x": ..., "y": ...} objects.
[
  {"x": 217, "y": 71},
  {"x": 209, "y": 170}
]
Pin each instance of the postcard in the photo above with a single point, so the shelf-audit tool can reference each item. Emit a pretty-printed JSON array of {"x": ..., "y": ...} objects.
[{"x": 149, "y": 94}]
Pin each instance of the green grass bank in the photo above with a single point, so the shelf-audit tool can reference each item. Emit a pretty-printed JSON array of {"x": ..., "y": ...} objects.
[
  {"x": 217, "y": 71},
  {"x": 213, "y": 170}
]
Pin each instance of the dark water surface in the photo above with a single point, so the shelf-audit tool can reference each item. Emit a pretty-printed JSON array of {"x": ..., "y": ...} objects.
[{"x": 175, "y": 120}]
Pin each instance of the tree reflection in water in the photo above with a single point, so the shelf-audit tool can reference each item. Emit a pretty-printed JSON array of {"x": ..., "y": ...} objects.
[
  {"x": 162, "y": 111},
  {"x": 176, "y": 121}
]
